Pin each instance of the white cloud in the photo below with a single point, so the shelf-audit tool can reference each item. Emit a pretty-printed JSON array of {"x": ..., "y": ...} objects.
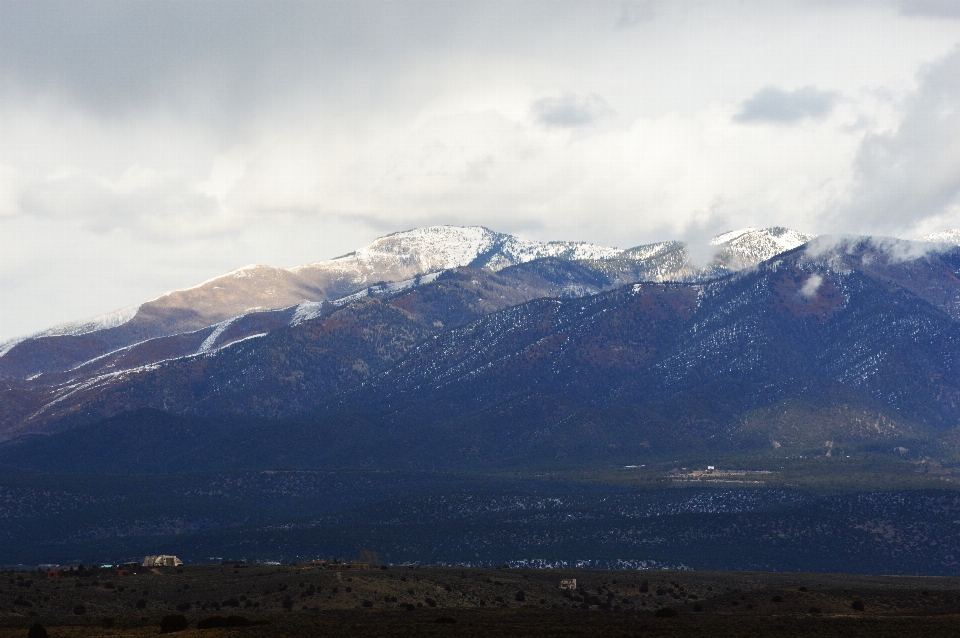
[
  {"x": 906, "y": 180},
  {"x": 154, "y": 145},
  {"x": 811, "y": 286}
]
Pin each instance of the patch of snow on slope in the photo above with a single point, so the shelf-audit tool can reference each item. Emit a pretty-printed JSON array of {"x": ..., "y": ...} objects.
[
  {"x": 306, "y": 311},
  {"x": 211, "y": 341},
  {"x": 387, "y": 288},
  {"x": 514, "y": 250},
  {"x": 726, "y": 238}
]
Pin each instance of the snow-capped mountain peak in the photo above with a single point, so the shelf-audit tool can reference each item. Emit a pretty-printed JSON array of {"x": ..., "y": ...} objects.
[
  {"x": 748, "y": 246},
  {"x": 435, "y": 248}
]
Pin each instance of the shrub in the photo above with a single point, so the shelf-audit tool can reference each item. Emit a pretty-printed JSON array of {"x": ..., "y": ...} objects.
[
  {"x": 666, "y": 612},
  {"x": 172, "y": 623},
  {"x": 857, "y": 605},
  {"x": 37, "y": 631},
  {"x": 371, "y": 557},
  {"x": 183, "y": 607},
  {"x": 520, "y": 596},
  {"x": 231, "y": 602},
  {"x": 141, "y": 604},
  {"x": 367, "y": 603},
  {"x": 79, "y": 610},
  {"x": 698, "y": 607},
  {"x": 445, "y": 620},
  {"x": 430, "y": 602},
  {"x": 777, "y": 599},
  {"x": 215, "y": 622},
  {"x": 107, "y": 622}
]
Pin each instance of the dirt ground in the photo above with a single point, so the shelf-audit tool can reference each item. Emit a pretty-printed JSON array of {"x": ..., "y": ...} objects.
[{"x": 307, "y": 600}]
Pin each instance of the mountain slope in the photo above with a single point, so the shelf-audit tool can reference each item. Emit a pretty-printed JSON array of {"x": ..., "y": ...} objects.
[{"x": 300, "y": 356}]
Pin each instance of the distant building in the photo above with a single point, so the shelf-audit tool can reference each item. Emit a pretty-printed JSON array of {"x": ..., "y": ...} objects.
[
  {"x": 163, "y": 560},
  {"x": 568, "y": 583}
]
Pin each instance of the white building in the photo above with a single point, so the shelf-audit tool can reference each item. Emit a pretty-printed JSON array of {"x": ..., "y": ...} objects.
[{"x": 163, "y": 560}]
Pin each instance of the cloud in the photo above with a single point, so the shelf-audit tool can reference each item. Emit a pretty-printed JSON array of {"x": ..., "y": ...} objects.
[
  {"x": 906, "y": 181},
  {"x": 634, "y": 13},
  {"x": 811, "y": 285},
  {"x": 773, "y": 105},
  {"x": 890, "y": 249},
  {"x": 931, "y": 8},
  {"x": 570, "y": 111},
  {"x": 154, "y": 145}
]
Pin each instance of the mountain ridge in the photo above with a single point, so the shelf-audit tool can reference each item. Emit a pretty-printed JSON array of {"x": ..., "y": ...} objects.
[
  {"x": 855, "y": 338},
  {"x": 404, "y": 256}
]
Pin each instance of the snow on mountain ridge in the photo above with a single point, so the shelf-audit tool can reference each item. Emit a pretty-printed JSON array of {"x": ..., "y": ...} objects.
[
  {"x": 77, "y": 328},
  {"x": 749, "y": 246},
  {"x": 400, "y": 257},
  {"x": 944, "y": 236},
  {"x": 443, "y": 247}
]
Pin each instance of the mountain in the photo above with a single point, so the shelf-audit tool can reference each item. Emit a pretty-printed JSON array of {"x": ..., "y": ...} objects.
[
  {"x": 50, "y": 375},
  {"x": 842, "y": 344},
  {"x": 538, "y": 412},
  {"x": 401, "y": 257},
  {"x": 284, "y": 361},
  {"x": 393, "y": 258}
]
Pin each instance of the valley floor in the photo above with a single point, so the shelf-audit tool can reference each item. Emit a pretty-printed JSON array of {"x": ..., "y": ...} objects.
[{"x": 306, "y": 600}]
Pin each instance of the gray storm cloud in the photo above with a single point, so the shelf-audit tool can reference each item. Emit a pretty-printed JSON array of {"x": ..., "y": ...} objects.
[{"x": 773, "y": 105}]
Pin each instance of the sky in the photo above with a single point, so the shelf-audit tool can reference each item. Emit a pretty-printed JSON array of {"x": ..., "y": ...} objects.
[{"x": 147, "y": 146}]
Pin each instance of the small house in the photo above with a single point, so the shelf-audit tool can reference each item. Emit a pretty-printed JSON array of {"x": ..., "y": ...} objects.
[{"x": 568, "y": 583}]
